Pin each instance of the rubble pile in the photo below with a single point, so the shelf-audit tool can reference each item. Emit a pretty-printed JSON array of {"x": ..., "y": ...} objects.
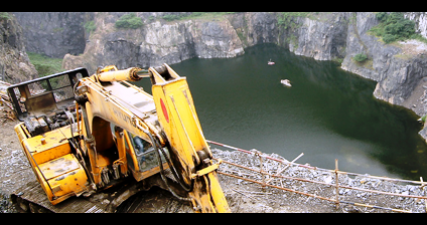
[
  {"x": 245, "y": 196},
  {"x": 6, "y": 109}
]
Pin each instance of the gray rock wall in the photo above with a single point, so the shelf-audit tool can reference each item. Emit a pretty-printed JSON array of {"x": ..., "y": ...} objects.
[
  {"x": 14, "y": 63},
  {"x": 54, "y": 34},
  {"x": 322, "y": 37},
  {"x": 398, "y": 68},
  {"x": 420, "y": 19},
  {"x": 155, "y": 43}
]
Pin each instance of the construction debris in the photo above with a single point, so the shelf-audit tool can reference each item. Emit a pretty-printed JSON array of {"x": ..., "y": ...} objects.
[
  {"x": 6, "y": 108},
  {"x": 303, "y": 188}
]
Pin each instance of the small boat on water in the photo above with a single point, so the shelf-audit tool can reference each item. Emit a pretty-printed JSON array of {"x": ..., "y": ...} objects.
[
  {"x": 270, "y": 62},
  {"x": 286, "y": 82}
]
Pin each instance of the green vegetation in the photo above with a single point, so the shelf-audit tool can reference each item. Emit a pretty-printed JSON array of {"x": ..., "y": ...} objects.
[
  {"x": 287, "y": 19},
  {"x": 129, "y": 21},
  {"x": 4, "y": 16},
  {"x": 362, "y": 60},
  {"x": 89, "y": 26},
  {"x": 151, "y": 19},
  {"x": 338, "y": 60},
  {"x": 58, "y": 29},
  {"x": 360, "y": 57},
  {"x": 171, "y": 17},
  {"x": 206, "y": 15},
  {"x": 423, "y": 118},
  {"x": 394, "y": 27},
  {"x": 45, "y": 65}
]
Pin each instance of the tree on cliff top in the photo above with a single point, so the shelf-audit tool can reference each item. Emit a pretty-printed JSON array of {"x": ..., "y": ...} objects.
[
  {"x": 394, "y": 26},
  {"x": 129, "y": 21}
]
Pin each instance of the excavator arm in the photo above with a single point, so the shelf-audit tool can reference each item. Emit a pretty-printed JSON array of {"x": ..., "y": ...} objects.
[
  {"x": 180, "y": 124},
  {"x": 176, "y": 128}
]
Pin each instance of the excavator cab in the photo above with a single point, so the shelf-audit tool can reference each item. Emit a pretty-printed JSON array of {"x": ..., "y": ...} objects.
[
  {"x": 48, "y": 132},
  {"x": 41, "y": 96},
  {"x": 145, "y": 159},
  {"x": 145, "y": 153}
]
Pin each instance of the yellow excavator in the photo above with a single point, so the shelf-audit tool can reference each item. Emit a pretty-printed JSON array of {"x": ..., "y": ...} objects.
[{"x": 94, "y": 141}]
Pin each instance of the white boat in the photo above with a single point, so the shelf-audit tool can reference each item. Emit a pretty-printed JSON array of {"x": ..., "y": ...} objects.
[
  {"x": 270, "y": 62},
  {"x": 286, "y": 82}
]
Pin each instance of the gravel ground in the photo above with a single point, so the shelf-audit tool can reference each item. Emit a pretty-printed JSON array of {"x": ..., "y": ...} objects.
[
  {"x": 274, "y": 200},
  {"x": 15, "y": 170},
  {"x": 413, "y": 47},
  {"x": 242, "y": 196}
]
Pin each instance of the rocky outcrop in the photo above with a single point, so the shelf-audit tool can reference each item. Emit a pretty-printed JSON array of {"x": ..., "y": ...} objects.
[
  {"x": 320, "y": 36},
  {"x": 255, "y": 27},
  {"x": 398, "y": 68},
  {"x": 420, "y": 19},
  {"x": 54, "y": 34},
  {"x": 155, "y": 43},
  {"x": 14, "y": 63}
]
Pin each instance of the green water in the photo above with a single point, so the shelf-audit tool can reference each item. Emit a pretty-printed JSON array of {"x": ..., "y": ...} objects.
[{"x": 327, "y": 114}]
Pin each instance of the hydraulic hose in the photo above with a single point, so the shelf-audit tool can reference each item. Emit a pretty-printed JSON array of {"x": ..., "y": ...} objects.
[
  {"x": 158, "y": 148},
  {"x": 176, "y": 175}
]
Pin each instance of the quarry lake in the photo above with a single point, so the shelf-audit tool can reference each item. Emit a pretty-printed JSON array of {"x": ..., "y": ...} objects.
[{"x": 327, "y": 114}]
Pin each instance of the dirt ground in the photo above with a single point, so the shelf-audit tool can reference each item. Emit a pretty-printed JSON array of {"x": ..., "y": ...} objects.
[
  {"x": 15, "y": 170},
  {"x": 413, "y": 48}
]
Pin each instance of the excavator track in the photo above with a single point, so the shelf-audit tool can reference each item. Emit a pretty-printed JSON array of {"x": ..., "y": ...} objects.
[{"x": 32, "y": 199}]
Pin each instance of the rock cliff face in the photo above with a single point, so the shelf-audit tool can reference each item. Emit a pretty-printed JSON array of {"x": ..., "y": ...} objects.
[
  {"x": 398, "y": 68},
  {"x": 255, "y": 27},
  {"x": 155, "y": 43},
  {"x": 386, "y": 64},
  {"x": 14, "y": 63},
  {"x": 323, "y": 36},
  {"x": 54, "y": 33},
  {"x": 320, "y": 36},
  {"x": 420, "y": 19}
]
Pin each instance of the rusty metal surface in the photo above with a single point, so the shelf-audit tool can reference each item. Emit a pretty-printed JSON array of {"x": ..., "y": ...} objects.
[
  {"x": 105, "y": 201},
  {"x": 34, "y": 193}
]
